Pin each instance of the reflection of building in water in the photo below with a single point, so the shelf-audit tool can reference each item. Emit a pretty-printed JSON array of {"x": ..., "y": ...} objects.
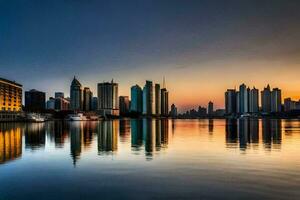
[
  {"x": 243, "y": 128},
  {"x": 157, "y": 134},
  {"x": 124, "y": 130},
  {"x": 231, "y": 132},
  {"x": 148, "y": 136},
  {"x": 108, "y": 136},
  {"x": 271, "y": 130},
  {"x": 89, "y": 128},
  {"x": 35, "y": 136},
  {"x": 10, "y": 142},
  {"x": 164, "y": 132},
  {"x": 61, "y": 132},
  {"x": 136, "y": 133},
  {"x": 246, "y": 131},
  {"x": 76, "y": 138},
  {"x": 210, "y": 125}
]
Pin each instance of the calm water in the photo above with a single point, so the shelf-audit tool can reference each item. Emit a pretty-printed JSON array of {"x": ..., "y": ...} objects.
[{"x": 151, "y": 159}]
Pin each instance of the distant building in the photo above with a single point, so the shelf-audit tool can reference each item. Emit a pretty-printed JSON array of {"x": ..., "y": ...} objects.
[
  {"x": 219, "y": 113},
  {"x": 59, "y": 95},
  {"x": 276, "y": 100},
  {"x": 253, "y": 101},
  {"x": 289, "y": 104},
  {"x": 148, "y": 98},
  {"x": 164, "y": 102},
  {"x": 10, "y": 95},
  {"x": 266, "y": 99},
  {"x": 35, "y": 101},
  {"x": 243, "y": 99},
  {"x": 62, "y": 104},
  {"x": 108, "y": 99},
  {"x": 157, "y": 99},
  {"x": 210, "y": 108},
  {"x": 87, "y": 99},
  {"x": 76, "y": 95},
  {"x": 124, "y": 105},
  {"x": 95, "y": 103},
  {"x": 230, "y": 101},
  {"x": 173, "y": 112},
  {"x": 202, "y": 111},
  {"x": 136, "y": 105},
  {"x": 237, "y": 102},
  {"x": 50, "y": 104}
]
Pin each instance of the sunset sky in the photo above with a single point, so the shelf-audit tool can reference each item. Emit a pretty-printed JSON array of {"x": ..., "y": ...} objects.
[{"x": 201, "y": 47}]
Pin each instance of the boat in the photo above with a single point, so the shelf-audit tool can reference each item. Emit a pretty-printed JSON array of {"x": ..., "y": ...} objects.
[
  {"x": 34, "y": 117},
  {"x": 77, "y": 117}
]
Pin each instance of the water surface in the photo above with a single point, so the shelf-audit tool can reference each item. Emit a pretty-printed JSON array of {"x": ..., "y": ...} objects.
[{"x": 151, "y": 159}]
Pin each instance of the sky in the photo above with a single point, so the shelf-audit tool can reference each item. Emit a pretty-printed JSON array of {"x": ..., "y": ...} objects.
[{"x": 200, "y": 47}]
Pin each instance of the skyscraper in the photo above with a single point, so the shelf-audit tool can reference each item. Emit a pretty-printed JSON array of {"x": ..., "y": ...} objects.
[
  {"x": 210, "y": 108},
  {"x": 136, "y": 105},
  {"x": 50, "y": 104},
  {"x": 266, "y": 99},
  {"x": 108, "y": 99},
  {"x": 124, "y": 105},
  {"x": 35, "y": 101},
  {"x": 243, "y": 99},
  {"x": 173, "y": 111},
  {"x": 87, "y": 99},
  {"x": 253, "y": 101},
  {"x": 230, "y": 101},
  {"x": 276, "y": 100},
  {"x": 75, "y": 95},
  {"x": 164, "y": 102},
  {"x": 95, "y": 103},
  {"x": 157, "y": 99},
  {"x": 148, "y": 98}
]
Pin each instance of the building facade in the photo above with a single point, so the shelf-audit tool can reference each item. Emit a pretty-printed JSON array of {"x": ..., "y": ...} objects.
[
  {"x": 108, "y": 99},
  {"x": 148, "y": 98},
  {"x": 124, "y": 105},
  {"x": 10, "y": 95},
  {"x": 253, "y": 101},
  {"x": 164, "y": 102},
  {"x": 210, "y": 108},
  {"x": 136, "y": 105},
  {"x": 230, "y": 101},
  {"x": 266, "y": 99},
  {"x": 75, "y": 95},
  {"x": 87, "y": 99},
  {"x": 35, "y": 101},
  {"x": 243, "y": 99},
  {"x": 276, "y": 100},
  {"x": 157, "y": 100}
]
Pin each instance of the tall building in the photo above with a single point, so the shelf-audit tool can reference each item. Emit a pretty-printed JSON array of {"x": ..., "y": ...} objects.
[
  {"x": 136, "y": 105},
  {"x": 95, "y": 103},
  {"x": 173, "y": 112},
  {"x": 276, "y": 100},
  {"x": 266, "y": 99},
  {"x": 62, "y": 104},
  {"x": 237, "y": 102},
  {"x": 10, "y": 95},
  {"x": 157, "y": 99},
  {"x": 50, "y": 104},
  {"x": 164, "y": 102},
  {"x": 108, "y": 99},
  {"x": 76, "y": 95},
  {"x": 148, "y": 98},
  {"x": 244, "y": 99},
  {"x": 230, "y": 101},
  {"x": 210, "y": 108},
  {"x": 124, "y": 105},
  {"x": 253, "y": 101},
  {"x": 87, "y": 99},
  {"x": 35, "y": 101},
  {"x": 59, "y": 95}
]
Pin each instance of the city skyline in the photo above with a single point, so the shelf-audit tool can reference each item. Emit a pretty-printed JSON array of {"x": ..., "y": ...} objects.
[{"x": 214, "y": 45}]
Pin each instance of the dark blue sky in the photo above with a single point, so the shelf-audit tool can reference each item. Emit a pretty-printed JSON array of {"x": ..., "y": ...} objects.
[{"x": 43, "y": 44}]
